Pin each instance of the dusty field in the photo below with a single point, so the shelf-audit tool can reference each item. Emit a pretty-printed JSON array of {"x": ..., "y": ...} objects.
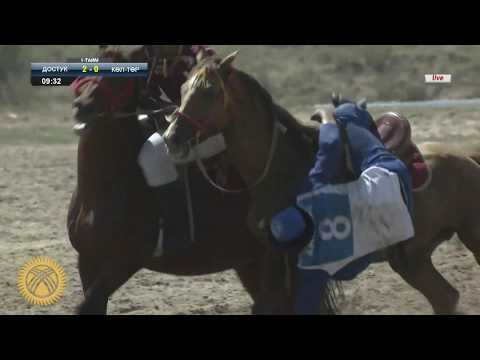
[{"x": 37, "y": 174}]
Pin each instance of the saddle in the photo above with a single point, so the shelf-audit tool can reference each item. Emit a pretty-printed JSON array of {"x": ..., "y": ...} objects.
[{"x": 396, "y": 133}]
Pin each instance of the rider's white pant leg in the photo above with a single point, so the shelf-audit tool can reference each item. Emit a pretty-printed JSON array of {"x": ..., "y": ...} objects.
[{"x": 155, "y": 162}]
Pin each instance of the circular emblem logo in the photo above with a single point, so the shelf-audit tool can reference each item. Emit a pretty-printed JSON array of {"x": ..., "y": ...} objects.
[{"x": 41, "y": 281}]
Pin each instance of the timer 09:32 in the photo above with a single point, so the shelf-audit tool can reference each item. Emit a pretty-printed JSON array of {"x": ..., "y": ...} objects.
[{"x": 51, "y": 81}]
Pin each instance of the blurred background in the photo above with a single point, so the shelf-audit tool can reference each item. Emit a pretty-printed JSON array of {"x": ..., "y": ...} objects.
[{"x": 296, "y": 75}]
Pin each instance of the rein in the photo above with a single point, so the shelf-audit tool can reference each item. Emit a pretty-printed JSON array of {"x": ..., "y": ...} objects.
[
  {"x": 119, "y": 115},
  {"x": 266, "y": 170},
  {"x": 346, "y": 150}
]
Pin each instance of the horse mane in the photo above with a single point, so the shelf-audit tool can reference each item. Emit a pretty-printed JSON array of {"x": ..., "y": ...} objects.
[{"x": 304, "y": 133}]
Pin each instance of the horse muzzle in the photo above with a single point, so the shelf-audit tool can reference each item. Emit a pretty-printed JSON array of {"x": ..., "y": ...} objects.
[
  {"x": 177, "y": 151},
  {"x": 178, "y": 143}
]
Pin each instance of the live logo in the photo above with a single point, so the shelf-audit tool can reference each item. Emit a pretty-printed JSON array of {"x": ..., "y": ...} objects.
[{"x": 438, "y": 78}]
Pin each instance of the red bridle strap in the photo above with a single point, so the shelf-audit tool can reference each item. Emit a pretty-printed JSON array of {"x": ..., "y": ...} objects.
[{"x": 197, "y": 125}]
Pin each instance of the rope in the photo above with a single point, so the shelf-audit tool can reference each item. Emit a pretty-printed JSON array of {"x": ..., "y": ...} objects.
[
  {"x": 266, "y": 170},
  {"x": 188, "y": 194},
  {"x": 118, "y": 115}
]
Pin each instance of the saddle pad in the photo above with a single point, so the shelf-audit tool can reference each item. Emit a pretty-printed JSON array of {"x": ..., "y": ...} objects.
[
  {"x": 354, "y": 219},
  {"x": 419, "y": 170}
]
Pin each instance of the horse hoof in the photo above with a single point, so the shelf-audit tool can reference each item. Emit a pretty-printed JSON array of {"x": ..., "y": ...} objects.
[{"x": 451, "y": 308}]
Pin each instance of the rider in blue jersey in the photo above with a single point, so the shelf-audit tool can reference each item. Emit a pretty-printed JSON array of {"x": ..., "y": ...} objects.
[{"x": 365, "y": 150}]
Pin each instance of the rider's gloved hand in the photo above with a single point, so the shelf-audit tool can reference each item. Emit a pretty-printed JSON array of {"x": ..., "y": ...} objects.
[
  {"x": 291, "y": 229},
  {"x": 353, "y": 113}
]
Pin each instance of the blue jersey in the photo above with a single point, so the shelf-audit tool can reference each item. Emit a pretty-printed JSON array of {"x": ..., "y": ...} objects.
[{"x": 366, "y": 150}]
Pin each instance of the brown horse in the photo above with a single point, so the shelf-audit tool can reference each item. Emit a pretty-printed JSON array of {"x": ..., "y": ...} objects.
[
  {"x": 225, "y": 99},
  {"x": 113, "y": 221}
]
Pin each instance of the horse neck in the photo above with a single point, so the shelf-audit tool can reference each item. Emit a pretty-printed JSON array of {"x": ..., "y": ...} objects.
[
  {"x": 250, "y": 131},
  {"x": 107, "y": 154}
]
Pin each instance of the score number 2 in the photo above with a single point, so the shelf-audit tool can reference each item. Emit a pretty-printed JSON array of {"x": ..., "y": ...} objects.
[{"x": 86, "y": 69}]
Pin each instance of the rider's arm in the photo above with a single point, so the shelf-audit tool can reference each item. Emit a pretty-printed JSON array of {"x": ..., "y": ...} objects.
[
  {"x": 291, "y": 227},
  {"x": 367, "y": 151},
  {"x": 328, "y": 161}
]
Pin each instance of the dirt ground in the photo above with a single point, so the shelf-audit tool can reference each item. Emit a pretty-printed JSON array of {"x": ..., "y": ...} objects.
[{"x": 37, "y": 175}]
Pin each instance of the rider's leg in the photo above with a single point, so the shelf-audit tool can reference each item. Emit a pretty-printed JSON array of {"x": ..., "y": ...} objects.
[
  {"x": 161, "y": 175},
  {"x": 174, "y": 216},
  {"x": 172, "y": 195}
]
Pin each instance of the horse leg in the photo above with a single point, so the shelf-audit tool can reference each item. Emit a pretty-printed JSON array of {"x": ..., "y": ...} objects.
[
  {"x": 249, "y": 275},
  {"x": 102, "y": 284},
  {"x": 88, "y": 269},
  {"x": 470, "y": 237},
  {"x": 276, "y": 279},
  {"x": 417, "y": 269}
]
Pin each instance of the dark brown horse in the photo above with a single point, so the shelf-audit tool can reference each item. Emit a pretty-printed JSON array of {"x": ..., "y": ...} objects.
[{"x": 113, "y": 220}]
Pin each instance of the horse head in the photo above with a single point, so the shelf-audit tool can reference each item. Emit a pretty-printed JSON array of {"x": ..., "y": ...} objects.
[{"x": 203, "y": 111}]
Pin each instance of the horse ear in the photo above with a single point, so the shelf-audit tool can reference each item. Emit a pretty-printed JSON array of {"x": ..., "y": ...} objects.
[
  {"x": 362, "y": 104},
  {"x": 201, "y": 54},
  {"x": 226, "y": 64}
]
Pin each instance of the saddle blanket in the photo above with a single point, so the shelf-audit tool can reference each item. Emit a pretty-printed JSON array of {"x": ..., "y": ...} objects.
[
  {"x": 354, "y": 219},
  {"x": 420, "y": 172}
]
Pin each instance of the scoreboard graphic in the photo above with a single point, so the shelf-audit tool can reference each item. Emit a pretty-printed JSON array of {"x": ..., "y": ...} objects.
[{"x": 63, "y": 74}]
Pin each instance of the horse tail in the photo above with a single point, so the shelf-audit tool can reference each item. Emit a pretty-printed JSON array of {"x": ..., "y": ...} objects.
[{"x": 333, "y": 291}]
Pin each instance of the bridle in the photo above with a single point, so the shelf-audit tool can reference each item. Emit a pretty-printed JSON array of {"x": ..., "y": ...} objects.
[{"x": 201, "y": 127}]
